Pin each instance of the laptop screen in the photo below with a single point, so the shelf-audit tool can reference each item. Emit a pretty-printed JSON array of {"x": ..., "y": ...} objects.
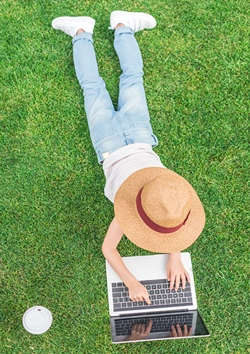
[{"x": 161, "y": 326}]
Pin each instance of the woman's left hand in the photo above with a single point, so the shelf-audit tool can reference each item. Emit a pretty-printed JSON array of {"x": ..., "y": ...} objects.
[{"x": 176, "y": 273}]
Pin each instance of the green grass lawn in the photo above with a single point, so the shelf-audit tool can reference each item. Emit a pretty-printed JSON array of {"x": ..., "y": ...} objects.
[{"x": 54, "y": 215}]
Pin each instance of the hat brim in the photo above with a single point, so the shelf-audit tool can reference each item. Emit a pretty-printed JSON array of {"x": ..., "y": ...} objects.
[{"x": 138, "y": 232}]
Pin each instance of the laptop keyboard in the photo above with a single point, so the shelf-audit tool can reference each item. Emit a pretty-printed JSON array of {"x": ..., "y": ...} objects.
[
  {"x": 161, "y": 323},
  {"x": 159, "y": 293}
]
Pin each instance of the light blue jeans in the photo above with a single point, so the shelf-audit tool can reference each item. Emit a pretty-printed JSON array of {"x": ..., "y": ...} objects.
[{"x": 111, "y": 130}]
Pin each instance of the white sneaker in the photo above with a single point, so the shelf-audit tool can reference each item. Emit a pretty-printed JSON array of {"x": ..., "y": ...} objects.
[
  {"x": 70, "y": 25},
  {"x": 137, "y": 21}
]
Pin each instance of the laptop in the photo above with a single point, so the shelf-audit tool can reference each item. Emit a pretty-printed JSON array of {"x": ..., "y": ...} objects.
[{"x": 171, "y": 314}]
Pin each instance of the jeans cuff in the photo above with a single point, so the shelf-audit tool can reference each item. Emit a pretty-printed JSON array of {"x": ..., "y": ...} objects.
[
  {"x": 123, "y": 29},
  {"x": 83, "y": 35}
]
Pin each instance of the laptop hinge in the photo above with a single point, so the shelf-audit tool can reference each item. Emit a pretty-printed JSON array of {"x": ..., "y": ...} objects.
[{"x": 151, "y": 313}]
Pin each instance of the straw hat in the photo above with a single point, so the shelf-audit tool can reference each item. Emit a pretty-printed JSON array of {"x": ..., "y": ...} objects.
[{"x": 159, "y": 210}]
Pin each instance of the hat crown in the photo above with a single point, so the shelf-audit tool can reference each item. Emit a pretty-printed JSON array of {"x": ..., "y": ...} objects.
[{"x": 166, "y": 202}]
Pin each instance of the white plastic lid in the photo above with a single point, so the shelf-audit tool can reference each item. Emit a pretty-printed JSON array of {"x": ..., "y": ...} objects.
[{"x": 37, "y": 320}]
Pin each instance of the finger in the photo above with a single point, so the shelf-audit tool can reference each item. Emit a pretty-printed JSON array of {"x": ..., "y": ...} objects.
[
  {"x": 179, "y": 332},
  {"x": 172, "y": 278},
  {"x": 139, "y": 327},
  {"x": 142, "y": 329},
  {"x": 168, "y": 274},
  {"x": 133, "y": 329},
  {"x": 174, "y": 333},
  {"x": 135, "y": 299},
  {"x": 177, "y": 282},
  {"x": 146, "y": 298},
  {"x": 149, "y": 327},
  {"x": 183, "y": 279},
  {"x": 185, "y": 332},
  {"x": 190, "y": 331},
  {"x": 131, "y": 297},
  {"x": 187, "y": 276}
]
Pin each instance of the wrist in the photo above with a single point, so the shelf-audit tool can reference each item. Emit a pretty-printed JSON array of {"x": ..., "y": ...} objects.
[
  {"x": 175, "y": 255},
  {"x": 131, "y": 282}
]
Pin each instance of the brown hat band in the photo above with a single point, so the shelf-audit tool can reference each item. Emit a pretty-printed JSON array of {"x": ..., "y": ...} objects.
[{"x": 150, "y": 223}]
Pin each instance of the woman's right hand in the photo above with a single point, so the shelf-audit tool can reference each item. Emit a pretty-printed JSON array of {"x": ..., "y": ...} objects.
[{"x": 138, "y": 292}]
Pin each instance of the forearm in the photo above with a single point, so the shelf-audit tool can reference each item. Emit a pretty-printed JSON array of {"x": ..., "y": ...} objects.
[
  {"x": 109, "y": 250},
  {"x": 137, "y": 292},
  {"x": 114, "y": 259}
]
